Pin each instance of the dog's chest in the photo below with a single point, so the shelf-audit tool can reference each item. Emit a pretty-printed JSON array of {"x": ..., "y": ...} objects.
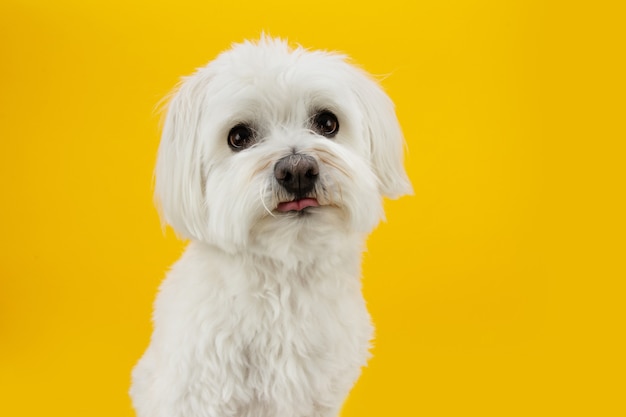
[
  {"x": 296, "y": 335},
  {"x": 291, "y": 324}
]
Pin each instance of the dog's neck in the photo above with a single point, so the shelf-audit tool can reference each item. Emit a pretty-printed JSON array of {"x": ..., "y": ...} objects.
[{"x": 319, "y": 258}]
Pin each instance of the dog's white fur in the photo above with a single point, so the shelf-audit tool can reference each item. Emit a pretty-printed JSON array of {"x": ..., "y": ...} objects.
[{"x": 263, "y": 315}]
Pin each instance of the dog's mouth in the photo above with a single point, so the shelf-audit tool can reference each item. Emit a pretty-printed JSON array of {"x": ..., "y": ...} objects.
[{"x": 297, "y": 205}]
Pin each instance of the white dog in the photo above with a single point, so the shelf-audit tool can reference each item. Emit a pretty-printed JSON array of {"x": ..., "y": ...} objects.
[{"x": 273, "y": 162}]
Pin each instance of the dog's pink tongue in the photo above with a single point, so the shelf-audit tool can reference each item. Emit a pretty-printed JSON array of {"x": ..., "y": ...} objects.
[{"x": 297, "y": 205}]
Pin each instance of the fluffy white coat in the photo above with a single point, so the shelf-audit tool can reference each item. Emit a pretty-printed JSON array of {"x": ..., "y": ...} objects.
[{"x": 263, "y": 314}]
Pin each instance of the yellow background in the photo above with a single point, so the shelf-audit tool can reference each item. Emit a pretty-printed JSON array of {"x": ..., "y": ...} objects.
[{"x": 497, "y": 290}]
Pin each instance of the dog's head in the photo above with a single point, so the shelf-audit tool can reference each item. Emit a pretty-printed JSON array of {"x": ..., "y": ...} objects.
[{"x": 269, "y": 142}]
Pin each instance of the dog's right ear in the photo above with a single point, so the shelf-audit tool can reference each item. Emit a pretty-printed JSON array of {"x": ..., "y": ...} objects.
[{"x": 179, "y": 193}]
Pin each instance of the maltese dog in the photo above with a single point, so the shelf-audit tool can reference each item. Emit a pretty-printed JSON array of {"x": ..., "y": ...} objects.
[{"x": 273, "y": 162}]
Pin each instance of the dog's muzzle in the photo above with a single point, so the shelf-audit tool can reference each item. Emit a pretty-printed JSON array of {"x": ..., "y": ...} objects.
[{"x": 297, "y": 174}]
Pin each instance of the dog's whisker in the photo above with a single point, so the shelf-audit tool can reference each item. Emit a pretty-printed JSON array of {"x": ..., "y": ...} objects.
[
  {"x": 261, "y": 196},
  {"x": 340, "y": 190},
  {"x": 336, "y": 186},
  {"x": 328, "y": 160}
]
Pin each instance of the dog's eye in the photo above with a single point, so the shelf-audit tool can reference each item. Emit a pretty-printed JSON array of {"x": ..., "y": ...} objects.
[
  {"x": 240, "y": 137},
  {"x": 326, "y": 124}
]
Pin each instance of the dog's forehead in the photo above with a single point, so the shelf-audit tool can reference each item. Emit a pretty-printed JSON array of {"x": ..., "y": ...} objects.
[{"x": 261, "y": 77}]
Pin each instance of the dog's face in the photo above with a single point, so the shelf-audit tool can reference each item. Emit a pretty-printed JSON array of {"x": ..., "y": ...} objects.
[{"x": 269, "y": 144}]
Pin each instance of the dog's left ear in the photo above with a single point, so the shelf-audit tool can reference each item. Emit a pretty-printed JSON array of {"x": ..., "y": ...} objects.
[{"x": 385, "y": 138}]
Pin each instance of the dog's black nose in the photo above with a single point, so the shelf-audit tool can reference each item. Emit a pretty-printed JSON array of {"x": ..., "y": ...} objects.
[{"x": 297, "y": 173}]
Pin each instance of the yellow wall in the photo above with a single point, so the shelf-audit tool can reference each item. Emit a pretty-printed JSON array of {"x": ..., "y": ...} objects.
[{"x": 496, "y": 290}]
